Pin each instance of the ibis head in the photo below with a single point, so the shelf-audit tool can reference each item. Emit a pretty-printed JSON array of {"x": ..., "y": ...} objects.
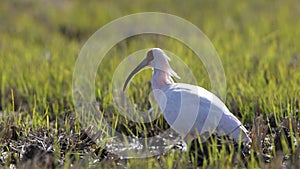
[{"x": 158, "y": 60}]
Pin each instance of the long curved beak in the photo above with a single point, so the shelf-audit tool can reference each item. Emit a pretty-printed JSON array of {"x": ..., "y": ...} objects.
[{"x": 137, "y": 69}]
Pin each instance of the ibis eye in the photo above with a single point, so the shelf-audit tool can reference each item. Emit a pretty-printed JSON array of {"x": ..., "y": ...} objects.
[{"x": 150, "y": 56}]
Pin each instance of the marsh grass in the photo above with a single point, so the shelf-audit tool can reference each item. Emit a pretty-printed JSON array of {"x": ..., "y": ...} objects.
[{"x": 258, "y": 44}]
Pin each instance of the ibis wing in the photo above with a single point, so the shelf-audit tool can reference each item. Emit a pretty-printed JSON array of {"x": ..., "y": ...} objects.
[{"x": 192, "y": 110}]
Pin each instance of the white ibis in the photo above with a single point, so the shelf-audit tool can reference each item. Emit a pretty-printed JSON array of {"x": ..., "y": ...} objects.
[{"x": 190, "y": 110}]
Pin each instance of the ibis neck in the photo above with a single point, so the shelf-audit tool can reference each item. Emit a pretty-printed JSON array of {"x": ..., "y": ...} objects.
[{"x": 160, "y": 79}]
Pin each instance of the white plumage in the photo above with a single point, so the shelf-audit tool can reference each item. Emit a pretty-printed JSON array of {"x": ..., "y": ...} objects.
[{"x": 190, "y": 110}]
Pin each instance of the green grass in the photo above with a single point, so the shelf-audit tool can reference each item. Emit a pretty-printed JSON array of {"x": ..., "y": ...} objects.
[{"x": 258, "y": 43}]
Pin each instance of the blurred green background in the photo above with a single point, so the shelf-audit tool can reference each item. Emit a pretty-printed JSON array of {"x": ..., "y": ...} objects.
[{"x": 258, "y": 43}]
